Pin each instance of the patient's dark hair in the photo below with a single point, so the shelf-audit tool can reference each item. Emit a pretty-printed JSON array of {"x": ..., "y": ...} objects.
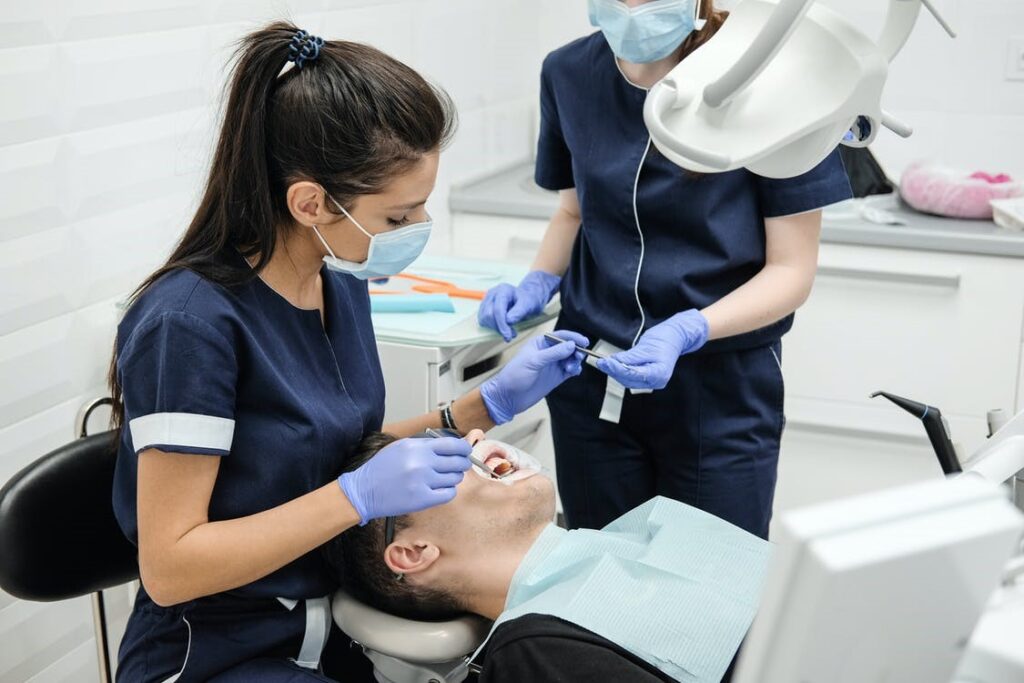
[{"x": 356, "y": 558}]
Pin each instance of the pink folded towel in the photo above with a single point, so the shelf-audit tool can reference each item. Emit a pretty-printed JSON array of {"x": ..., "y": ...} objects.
[{"x": 947, "y": 191}]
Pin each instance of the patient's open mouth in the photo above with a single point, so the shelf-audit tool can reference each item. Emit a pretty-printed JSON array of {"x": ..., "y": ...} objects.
[{"x": 501, "y": 461}]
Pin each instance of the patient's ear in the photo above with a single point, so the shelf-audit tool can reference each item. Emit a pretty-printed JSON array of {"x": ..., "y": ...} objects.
[{"x": 411, "y": 558}]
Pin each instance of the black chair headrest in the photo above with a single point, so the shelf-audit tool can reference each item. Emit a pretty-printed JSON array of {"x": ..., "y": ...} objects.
[{"x": 57, "y": 528}]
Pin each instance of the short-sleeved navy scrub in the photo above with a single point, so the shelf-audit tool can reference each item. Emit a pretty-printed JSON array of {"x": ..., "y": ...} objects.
[
  {"x": 282, "y": 398},
  {"x": 656, "y": 240}
]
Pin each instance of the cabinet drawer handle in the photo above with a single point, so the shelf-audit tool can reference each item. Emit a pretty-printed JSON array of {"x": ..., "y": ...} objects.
[{"x": 901, "y": 277}]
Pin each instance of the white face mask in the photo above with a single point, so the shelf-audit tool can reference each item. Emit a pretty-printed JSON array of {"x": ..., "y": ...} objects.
[{"x": 390, "y": 252}]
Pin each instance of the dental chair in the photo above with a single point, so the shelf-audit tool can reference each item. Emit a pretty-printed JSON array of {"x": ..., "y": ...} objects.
[
  {"x": 406, "y": 651},
  {"x": 58, "y": 533}
]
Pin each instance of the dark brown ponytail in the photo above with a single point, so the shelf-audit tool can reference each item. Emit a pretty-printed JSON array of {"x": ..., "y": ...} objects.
[{"x": 351, "y": 119}]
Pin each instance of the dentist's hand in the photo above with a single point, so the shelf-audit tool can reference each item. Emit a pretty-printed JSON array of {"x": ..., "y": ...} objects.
[
  {"x": 649, "y": 364},
  {"x": 407, "y": 476},
  {"x": 505, "y": 305},
  {"x": 532, "y": 374}
]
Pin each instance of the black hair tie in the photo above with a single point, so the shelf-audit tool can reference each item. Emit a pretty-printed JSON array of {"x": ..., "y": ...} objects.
[{"x": 304, "y": 47}]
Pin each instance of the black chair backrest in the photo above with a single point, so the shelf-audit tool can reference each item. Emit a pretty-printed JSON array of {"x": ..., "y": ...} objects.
[{"x": 58, "y": 535}]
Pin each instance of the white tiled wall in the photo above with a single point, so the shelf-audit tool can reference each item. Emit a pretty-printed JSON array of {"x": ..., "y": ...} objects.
[
  {"x": 953, "y": 92},
  {"x": 107, "y": 115}
]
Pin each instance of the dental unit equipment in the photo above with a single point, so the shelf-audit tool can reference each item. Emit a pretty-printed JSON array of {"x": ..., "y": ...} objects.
[
  {"x": 935, "y": 425},
  {"x": 780, "y": 86},
  {"x": 926, "y": 577}
]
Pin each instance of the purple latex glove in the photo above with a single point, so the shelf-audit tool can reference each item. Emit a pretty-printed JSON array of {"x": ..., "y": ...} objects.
[
  {"x": 505, "y": 305},
  {"x": 532, "y": 374},
  {"x": 407, "y": 476},
  {"x": 649, "y": 364}
]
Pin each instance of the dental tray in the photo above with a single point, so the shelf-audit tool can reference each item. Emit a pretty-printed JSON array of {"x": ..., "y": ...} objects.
[{"x": 459, "y": 328}]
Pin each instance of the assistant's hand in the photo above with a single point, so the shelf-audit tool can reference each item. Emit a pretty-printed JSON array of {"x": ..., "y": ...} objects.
[
  {"x": 407, "y": 476},
  {"x": 532, "y": 374},
  {"x": 505, "y": 305},
  {"x": 649, "y": 364}
]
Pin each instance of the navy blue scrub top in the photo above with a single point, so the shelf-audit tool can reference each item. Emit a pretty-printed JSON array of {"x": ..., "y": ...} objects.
[
  {"x": 244, "y": 375},
  {"x": 699, "y": 237}
]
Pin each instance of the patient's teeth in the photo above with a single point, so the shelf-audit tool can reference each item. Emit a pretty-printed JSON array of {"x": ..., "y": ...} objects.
[{"x": 502, "y": 468}]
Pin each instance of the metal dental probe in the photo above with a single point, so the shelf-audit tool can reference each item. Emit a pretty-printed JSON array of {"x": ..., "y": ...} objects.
[
  {"x": 472, "y": 458},
  {"x": 585, "y": 351}
]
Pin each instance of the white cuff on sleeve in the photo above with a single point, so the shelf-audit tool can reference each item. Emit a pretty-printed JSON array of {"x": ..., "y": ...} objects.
[{"x": 182, "y": 429}]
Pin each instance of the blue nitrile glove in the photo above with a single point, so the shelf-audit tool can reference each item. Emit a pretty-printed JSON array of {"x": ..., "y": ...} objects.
[
  {"x": 650, "y": 363},
  {"x": 406, "y": 476},
  {"x": 532, "y": 374},
  {"x": 505, "y": 305}
]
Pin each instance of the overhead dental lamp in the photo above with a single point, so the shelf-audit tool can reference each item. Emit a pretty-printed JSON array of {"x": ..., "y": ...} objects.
[{"x": 780, "y": 85}]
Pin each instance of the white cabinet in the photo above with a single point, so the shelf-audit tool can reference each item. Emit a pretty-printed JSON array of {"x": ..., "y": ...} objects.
[
  {"x": 1019, "y": 402},
  {"x": 496, "y": 238},
  {"x": 944, "y": 329}
]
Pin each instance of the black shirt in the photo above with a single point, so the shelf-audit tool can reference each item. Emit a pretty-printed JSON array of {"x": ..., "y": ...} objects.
[{"x": 538, "y": 647}]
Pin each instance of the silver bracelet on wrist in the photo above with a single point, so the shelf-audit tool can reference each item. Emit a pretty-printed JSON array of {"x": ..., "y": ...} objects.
[{"x": 447, "y": 420}]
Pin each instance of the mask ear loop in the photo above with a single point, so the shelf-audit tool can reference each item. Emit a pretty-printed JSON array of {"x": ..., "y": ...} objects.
[
  {"x": 330, "y": 251},
  {"x": 347, "y": 214}
]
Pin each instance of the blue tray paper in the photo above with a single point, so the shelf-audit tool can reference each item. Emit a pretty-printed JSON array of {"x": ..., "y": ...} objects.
[
  {"x": 411, "y": 303},
  {"x": 448, "y": 329}
]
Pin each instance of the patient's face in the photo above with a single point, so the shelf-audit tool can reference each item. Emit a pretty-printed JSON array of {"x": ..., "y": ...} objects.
[{"x": 486, "y": 510}]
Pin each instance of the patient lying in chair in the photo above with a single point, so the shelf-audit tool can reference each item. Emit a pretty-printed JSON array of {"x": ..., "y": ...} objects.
[{"x": 664, "y": 593}]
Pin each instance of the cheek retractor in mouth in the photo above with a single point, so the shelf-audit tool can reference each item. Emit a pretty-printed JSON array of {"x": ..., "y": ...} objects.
[
  {"x": 492, "y": 460},
  {"x": 503, "y": 462}
]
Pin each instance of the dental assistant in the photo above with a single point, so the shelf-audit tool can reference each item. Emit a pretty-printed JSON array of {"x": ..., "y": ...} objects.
[
  {"x": 246, "y": 371},
  {"x": 693, "y": 278}
]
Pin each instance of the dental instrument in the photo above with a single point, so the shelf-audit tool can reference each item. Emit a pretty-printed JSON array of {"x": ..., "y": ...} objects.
[
  {"x": 778, "y": 88},
  {"x": 936, "y": 427},
  {"x": 493, "y": 472},
  {"x": 582, "y": 349},
  {"x": 442, "y": 433}
]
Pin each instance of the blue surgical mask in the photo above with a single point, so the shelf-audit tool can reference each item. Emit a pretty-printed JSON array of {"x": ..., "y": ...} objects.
[
  {"x": 390, "y": 252},
  {"x": 646, "y": 33}
]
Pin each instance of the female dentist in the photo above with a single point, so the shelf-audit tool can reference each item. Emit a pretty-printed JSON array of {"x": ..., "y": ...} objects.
[
  {"x": 697, "y": 276},
  {"x": 246, "y": 371}
]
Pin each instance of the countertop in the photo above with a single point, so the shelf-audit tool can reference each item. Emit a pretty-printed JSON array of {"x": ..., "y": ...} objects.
[{"x": 513, "y": 193}]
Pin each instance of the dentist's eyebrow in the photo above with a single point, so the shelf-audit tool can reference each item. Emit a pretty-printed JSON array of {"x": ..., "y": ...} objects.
[{"x": 408, "y": 207}]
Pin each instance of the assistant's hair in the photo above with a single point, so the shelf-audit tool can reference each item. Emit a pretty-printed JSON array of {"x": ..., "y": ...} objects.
[
  {"x": 714, "y": 18},
  {"x": 351, "y": 119},
  {"x": 356, "y": 559}
]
